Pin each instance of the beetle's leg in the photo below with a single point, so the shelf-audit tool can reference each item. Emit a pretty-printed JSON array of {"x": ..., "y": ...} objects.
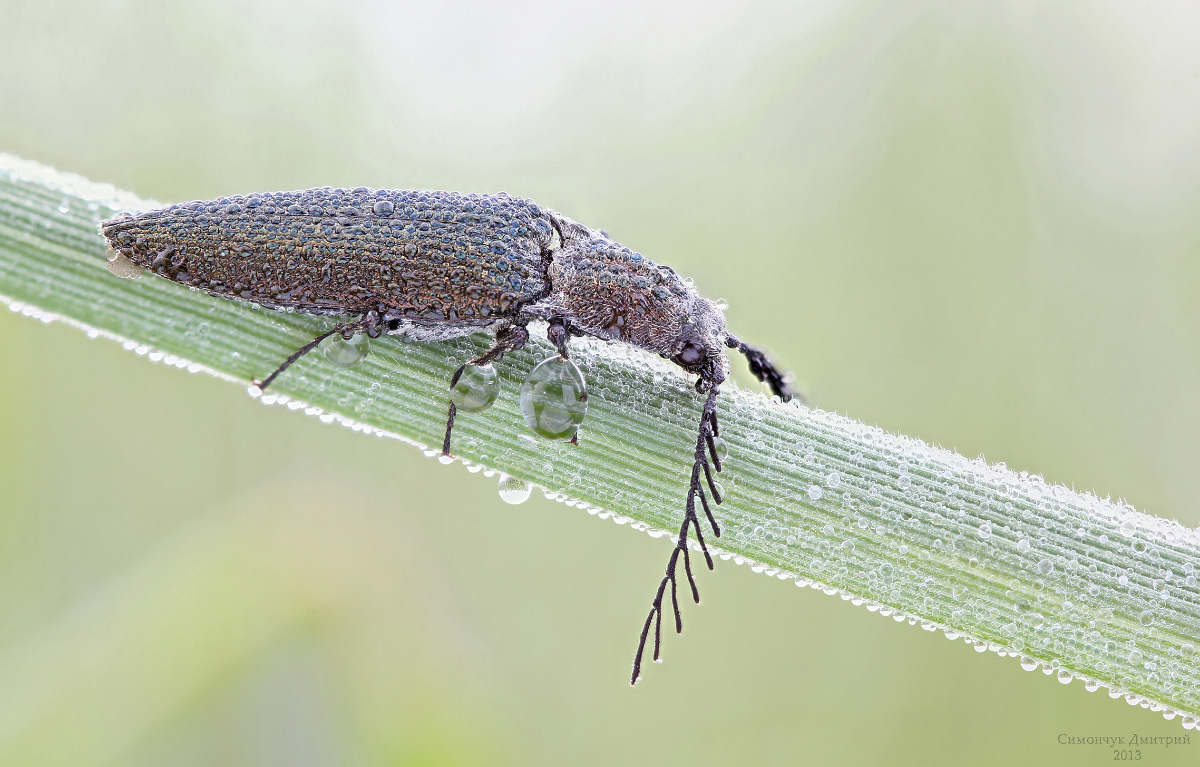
[
  {"x": 509, "y": 339},
  {"x": 762, "y": 369},
  {"x": 347, "y": 330},
  {"x": 704, "y": 448},
  {"x": 558, "y": 335}
]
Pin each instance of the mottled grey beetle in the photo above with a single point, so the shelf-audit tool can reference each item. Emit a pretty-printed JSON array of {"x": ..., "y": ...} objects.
[{"x": 438, "y": 265}]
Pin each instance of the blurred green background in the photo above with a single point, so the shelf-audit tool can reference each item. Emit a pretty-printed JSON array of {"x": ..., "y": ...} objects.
[{"x": 973, "y": 222}]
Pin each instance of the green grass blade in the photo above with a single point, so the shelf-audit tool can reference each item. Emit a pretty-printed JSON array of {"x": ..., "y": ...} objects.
[{"x": 1084, "y": 587}]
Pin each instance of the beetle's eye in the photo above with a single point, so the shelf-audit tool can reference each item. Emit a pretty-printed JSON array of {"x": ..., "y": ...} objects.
[{"x": 691, "y": 354}]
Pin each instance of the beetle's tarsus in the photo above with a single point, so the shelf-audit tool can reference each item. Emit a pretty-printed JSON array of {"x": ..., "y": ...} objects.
[{"x": 450, "y": 421}]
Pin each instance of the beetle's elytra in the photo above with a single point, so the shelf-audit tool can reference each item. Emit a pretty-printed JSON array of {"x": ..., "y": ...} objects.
[{"x": 437, "y": 265}]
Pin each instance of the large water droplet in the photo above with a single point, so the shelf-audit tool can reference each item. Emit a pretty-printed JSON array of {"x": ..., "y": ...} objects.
[
  {"x": 476, "y": 389},
  {"x": 815, "y": 492},
  {"x": 341, "y": 351},
  {"x": 1045, "y": 567},
  {"x": 985, "y": 531},
  {"x": 1187, "y": 650},
  {"x": 383, "y": 208},
  {"x": 722, "y": 448},
  {"x": 513, "y": 490},
  {"x": 121, "y": 265},
  {"x": 554, "y": 398}
]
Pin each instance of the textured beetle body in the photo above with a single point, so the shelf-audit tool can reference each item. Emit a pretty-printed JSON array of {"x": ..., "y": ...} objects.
[
  {"x": 436, "y": 265},
  {"x": 609, "y": 291},
  {"x": 432, "y": 265},
  {"x": 433, "y": 259}
]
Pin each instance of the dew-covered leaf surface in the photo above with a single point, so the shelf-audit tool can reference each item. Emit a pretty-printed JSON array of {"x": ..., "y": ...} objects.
[{"x": 1083, "y": 587}]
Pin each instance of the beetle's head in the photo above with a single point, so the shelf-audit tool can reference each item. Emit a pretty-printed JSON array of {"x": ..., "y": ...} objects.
[{"x": 700, "y": 347}]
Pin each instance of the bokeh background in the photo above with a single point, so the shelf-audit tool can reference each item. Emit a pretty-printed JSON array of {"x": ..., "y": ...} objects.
[{"x": 973, "y": 222}]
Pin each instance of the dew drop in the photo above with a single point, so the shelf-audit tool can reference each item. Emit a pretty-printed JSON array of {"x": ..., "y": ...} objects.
[
  {"x": 985, "y": 531},
  {"x": 383, "y": 208},
  {"x": 904, "y": 482},
  {"x": 833, "y": 480},
  {"x": 815, "y": 492},
  {"x": 1064, "y": 677},
  {"x": 513, "y": 490},
  {"x": 1127, "y": 528},
  {"x": 1029, "y": 664},
  {"x": 121, "y": 265},
  {"x": 722, "y": 448},
  {"x": 476, "y": 389},
  {"x": 341, "y": 351},
  {"x": 554, "y": 398},
  {"x": 1146, "y": 618},
  {"x": 1045, "y": 567},
  {"x": 1024, "y": 546},
  {"x": 1187, "y": 650}
]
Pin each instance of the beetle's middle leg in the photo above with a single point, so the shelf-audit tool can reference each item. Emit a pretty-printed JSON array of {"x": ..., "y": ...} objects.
[
  {"x": 706, "y": 449},
  {"x": 509, "y": 339}
]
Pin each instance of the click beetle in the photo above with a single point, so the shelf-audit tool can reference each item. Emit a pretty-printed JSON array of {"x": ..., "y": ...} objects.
[{"x": 439, "y": 265}]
